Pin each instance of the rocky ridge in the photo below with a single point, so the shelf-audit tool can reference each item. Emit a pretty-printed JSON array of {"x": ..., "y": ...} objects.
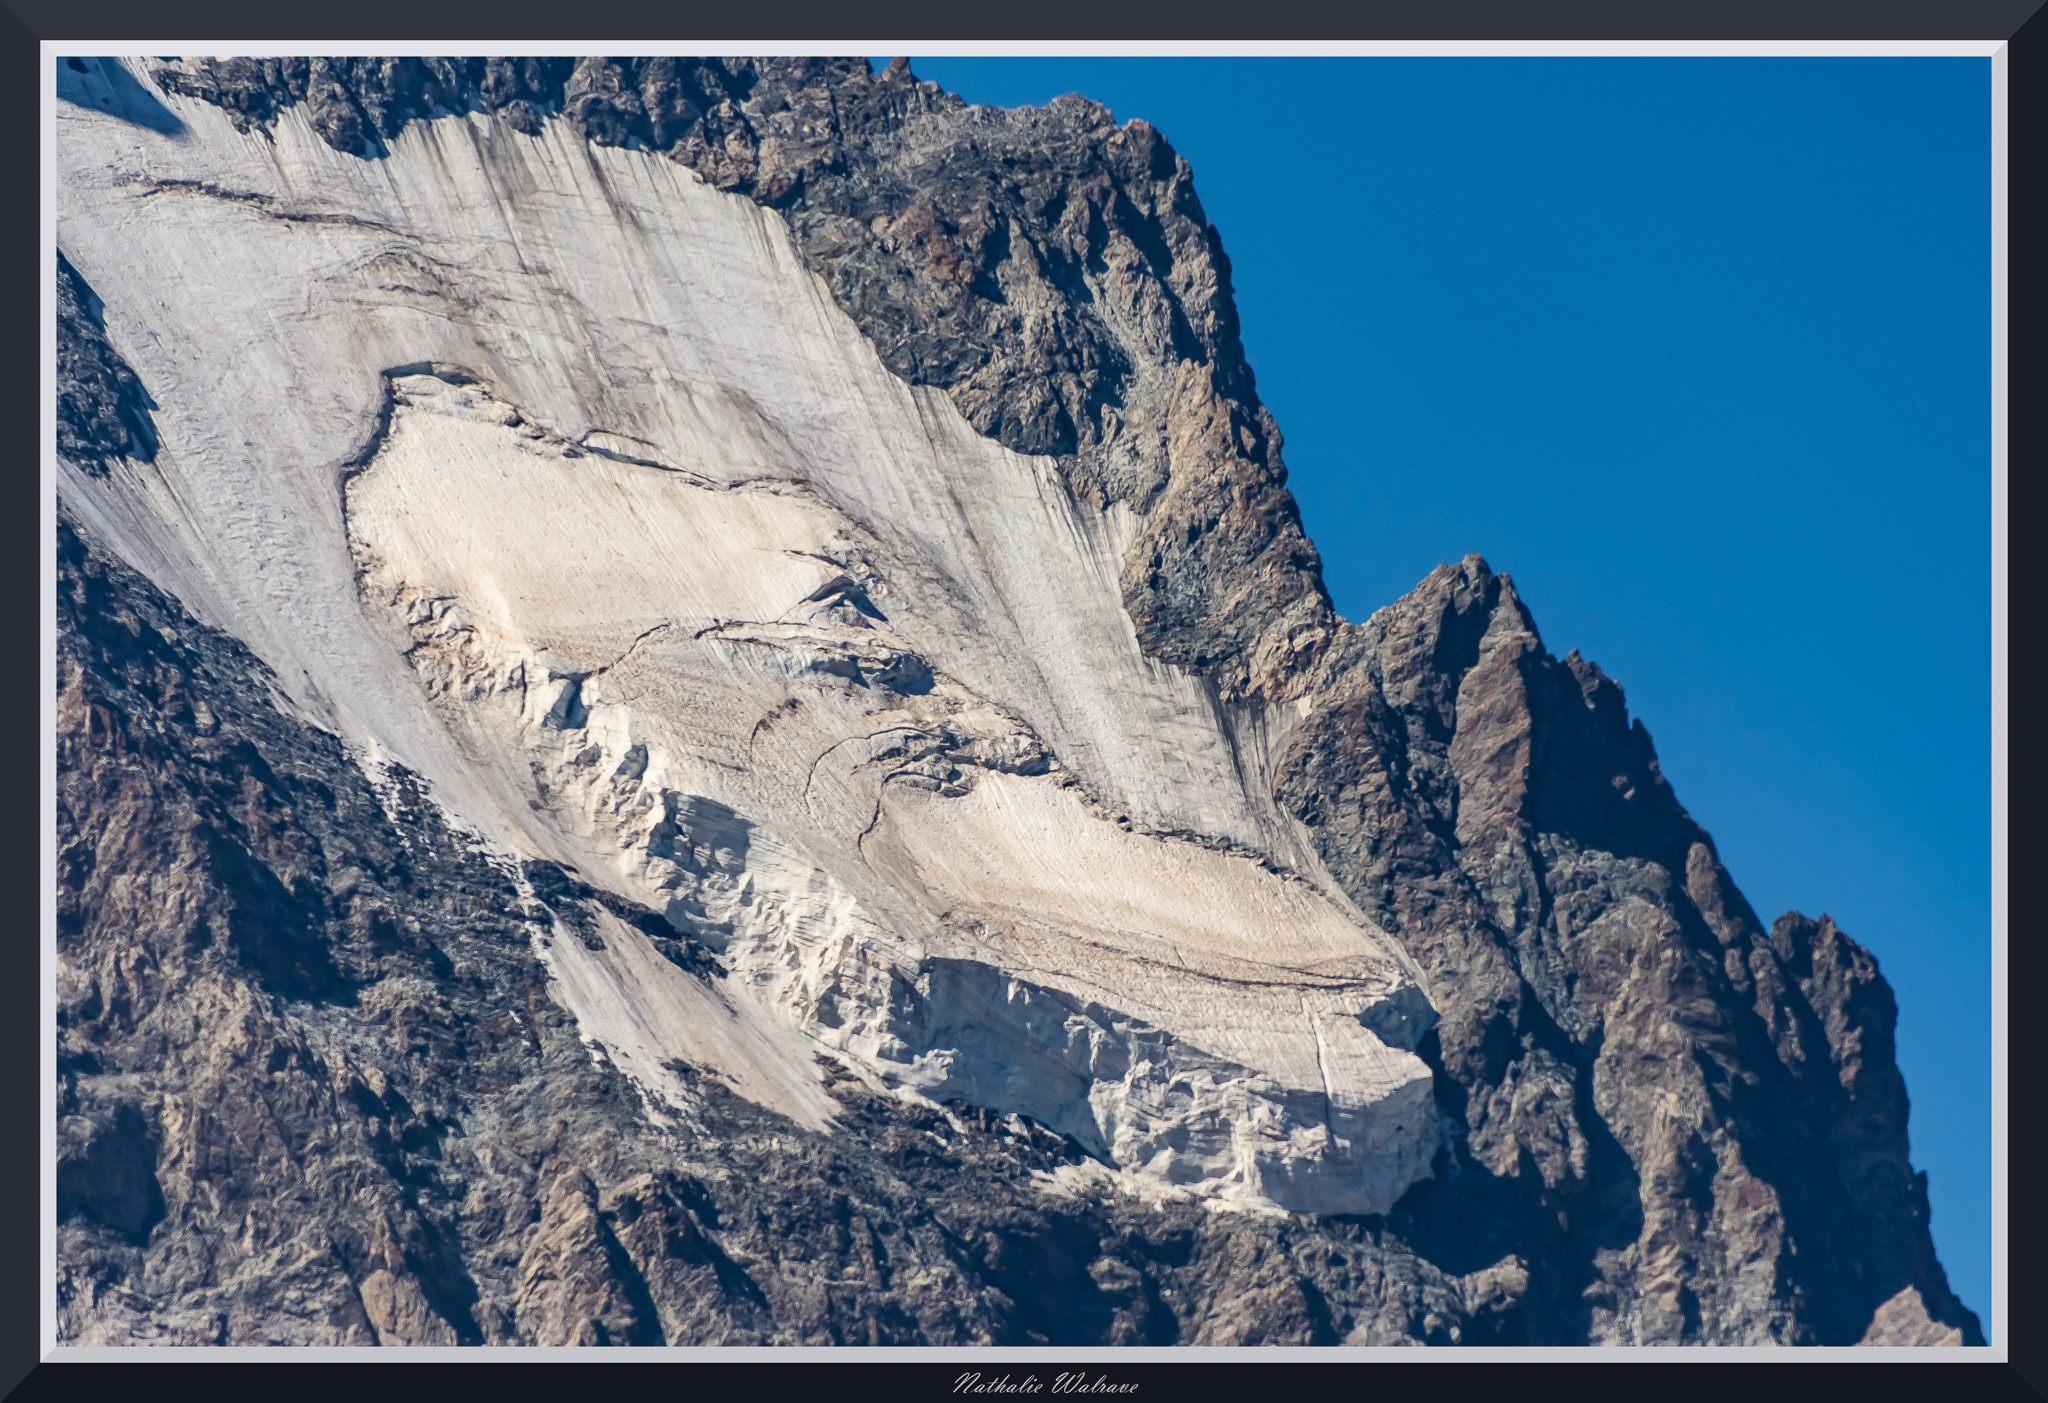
[
  {"x": 1703, "y": 1115},
  {"x": 1668, "y": 1123}
]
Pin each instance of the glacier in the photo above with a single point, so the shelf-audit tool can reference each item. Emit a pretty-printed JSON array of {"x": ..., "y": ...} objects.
[{"x": 554, "y": 474}]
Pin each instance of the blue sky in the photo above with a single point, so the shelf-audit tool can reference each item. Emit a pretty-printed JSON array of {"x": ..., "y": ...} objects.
[{"x": 1697, "y": 351}]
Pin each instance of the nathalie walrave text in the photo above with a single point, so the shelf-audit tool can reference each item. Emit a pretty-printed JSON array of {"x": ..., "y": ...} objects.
[{"x": 1062, "y": 1383}]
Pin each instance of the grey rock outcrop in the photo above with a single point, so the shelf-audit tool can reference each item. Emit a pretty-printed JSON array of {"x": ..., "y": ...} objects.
[
  {"x": 356, "y": 104},
  {"x": 1903, "y": 1321},
  {"x": 102, "y": 409},
  {"x": 314, "y": 1086}
]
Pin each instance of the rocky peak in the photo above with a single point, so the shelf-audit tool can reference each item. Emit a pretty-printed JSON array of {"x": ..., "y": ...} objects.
[{"x": 1673, "y": 1096}]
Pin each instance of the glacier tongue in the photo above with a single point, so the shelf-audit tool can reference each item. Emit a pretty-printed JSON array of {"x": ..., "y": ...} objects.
[{"x": 552, "y": 472}]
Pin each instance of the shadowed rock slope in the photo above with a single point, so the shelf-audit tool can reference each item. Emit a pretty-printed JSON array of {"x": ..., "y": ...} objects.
[{"x": 314, "y": 1087}]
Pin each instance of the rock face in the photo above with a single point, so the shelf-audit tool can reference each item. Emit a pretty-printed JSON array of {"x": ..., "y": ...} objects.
[
  {"x": 749, "y": 748},
  {"x": 1903, "y": 1321},
  {"x": 1704, "y": 1117},
  {"x": 102, "y": 409}
]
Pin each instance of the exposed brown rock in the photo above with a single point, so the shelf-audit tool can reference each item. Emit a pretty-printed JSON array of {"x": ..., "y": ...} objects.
[{"x": 576, "y": 1286}]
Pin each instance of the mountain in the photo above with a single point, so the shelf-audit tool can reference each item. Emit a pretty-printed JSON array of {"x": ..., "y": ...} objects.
[{"x": 692, "y": 709}]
